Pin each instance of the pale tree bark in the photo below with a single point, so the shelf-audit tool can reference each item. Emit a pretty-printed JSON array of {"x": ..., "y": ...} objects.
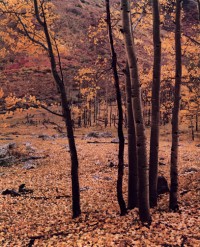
[
  {"x": 66, "y": 111},
  {"x": 132, "y": 148},
  {"x": 144, "y": 209},
  {"x": 120, "y": 198},
  {"x": 173, "y": 202},
  {"x": 155, "y": 106}
]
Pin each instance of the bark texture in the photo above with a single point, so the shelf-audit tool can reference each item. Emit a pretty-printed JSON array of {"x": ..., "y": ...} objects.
[
  {"x": 173, "y": 202},
  {"x": 155, "y": 107},
  {"x": 132, "y": 148},
  {"x": 144, "y": 210},
  {"x": 66, "y": 113},
  {"x": 120, "y": 198}
]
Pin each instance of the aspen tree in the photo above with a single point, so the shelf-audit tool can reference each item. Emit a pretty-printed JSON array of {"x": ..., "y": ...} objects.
[{"x": 144, "y": 209}]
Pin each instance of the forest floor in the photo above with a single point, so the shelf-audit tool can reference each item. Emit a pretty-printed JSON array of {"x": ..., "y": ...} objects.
[{"x": 43, "y": 217}]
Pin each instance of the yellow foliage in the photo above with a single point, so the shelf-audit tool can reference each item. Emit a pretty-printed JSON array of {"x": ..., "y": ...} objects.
[
  {"x": 1, "y": 93},
  {"x": 19, "y": 26},
  {"x": 11, "y": 100}
]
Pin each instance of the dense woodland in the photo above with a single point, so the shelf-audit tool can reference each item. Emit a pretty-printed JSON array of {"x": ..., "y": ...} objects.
[{"x": 99, "y": 123}]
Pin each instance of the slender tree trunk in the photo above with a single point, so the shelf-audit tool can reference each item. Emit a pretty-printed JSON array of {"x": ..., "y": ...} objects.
[
  {"x": 66, "y": 113},
  {"x": 144, "y": 209},
  {"x": 132, "y": 148},
  {"x": 198, "y": 6},
  {"x": 120, "y": 118},
  {"x": 110, "y": 113},
  {"x": 173, "y": 203},
  {"x": 155, "y": 107}
]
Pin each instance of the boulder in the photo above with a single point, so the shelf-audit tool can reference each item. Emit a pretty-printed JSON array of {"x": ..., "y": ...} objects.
[
  {"x": 96, "y": 134},
  {"x": 162, "y": 186},
  {"x": 5, "y": 154}
]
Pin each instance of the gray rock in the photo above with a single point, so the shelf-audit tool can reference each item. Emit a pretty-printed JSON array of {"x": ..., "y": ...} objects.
[
  {"x": 115, "y": 140},
  {"x": 4, "y": 150},
  {"x": 29, "y": 165},
  {"x": 5, "y": 157},
  {"x": 106, "y": 134},
  {"x": 96, "y": 134},
  {"x": 85, "y": 188},
  {"x": 6, "y": 139},
  {"x": 190, "y": 170},
  {"x": 46, "y": 137},
  {"x": 29, "y": 147},
  {"x": 93, "y": 134},
  {"x": 6, "y": 161}
]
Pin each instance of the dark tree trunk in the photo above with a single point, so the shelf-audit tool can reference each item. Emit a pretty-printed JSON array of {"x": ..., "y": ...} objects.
[
  {"x": 173, "y": 202},
  {"x": 155, "y": 107},
  {"x": 197, "y": 127},
  {"x": 144, "y": 209},
  {"x": 120, "y": 118},
  {"x": 198, "y": 6},
  {"x": 66, "y": 113},
  {"x": 132, "y": 148}
]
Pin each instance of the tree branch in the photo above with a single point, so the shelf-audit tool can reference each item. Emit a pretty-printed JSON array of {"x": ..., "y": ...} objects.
[
  {"x": 37, "y": 13},
  {"x": 193, "y": 40},
  {"x": 28, "y": 34},
  {"x": 47, "y": 109}
]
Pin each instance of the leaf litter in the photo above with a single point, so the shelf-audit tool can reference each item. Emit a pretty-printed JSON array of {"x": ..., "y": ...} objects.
[{"x": 43, "y": 218}]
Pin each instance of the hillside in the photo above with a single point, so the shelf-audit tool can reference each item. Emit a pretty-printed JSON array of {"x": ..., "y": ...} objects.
[{"x": 24, "y": 74}]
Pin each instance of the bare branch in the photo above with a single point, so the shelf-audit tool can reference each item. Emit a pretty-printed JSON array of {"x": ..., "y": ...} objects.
[
  {"x": 59, "y": 60},
  {"x": 47, "y": 109},
  {"x": 141, "y": 16},
  {"x": 27, "y": 33},
  {"x": 191, "y": 39}
]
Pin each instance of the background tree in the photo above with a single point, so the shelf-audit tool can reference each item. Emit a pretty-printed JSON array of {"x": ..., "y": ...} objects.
[
  {"x": 155, "y": 106},
  {"x": 132, "y": 147},
  {"x": 120, "y": 115},
  {"x": 173, "y": 203}
]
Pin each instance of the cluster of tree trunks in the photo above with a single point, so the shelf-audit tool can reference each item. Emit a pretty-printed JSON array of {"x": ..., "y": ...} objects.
[{"x": 143, "y": 177}]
